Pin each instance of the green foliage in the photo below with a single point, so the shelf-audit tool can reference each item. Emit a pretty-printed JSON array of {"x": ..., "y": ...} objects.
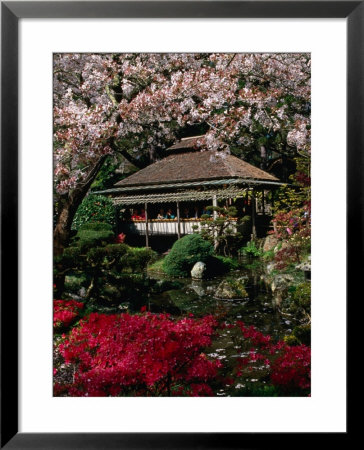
[
  {"x": 252, "y": 250},
  {"x": 269, "y": 255},
  {"x": 228, "y": 263},
  {"x": 297, "y": 194},
  {"x": 94, "y": 257},
  {"x": 93, "y": 234},
  {"x": 108, "y": 174},
  {"x": 94, "y": 208},
  {"x": 221, "y": 231},
  {"x": 156, "y": 266},
  {"x": 137, "y": 259},
  {"x": 73, "y": 283},
  {"x": 185, "y": 253},
  {"x": 301, "y": 334},
  {"x": 70, "y": 255},
  {"x": 95, "y": 226},
  {"x": 301, "y": 296}
]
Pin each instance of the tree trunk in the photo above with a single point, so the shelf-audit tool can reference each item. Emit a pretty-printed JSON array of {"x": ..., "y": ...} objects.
[{"x": 62, "y": 231}]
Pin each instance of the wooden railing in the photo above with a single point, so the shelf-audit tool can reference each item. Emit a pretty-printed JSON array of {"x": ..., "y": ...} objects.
[{"x": 164, "y": 226}]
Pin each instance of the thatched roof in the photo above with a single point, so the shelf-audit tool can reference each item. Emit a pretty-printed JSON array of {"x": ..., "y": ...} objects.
[{"x": 196, "y": 166}]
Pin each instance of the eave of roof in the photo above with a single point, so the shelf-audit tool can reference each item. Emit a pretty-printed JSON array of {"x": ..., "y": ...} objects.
[
  {"x": 191, "y": 195},
  {"x": 194, "y": 184}
]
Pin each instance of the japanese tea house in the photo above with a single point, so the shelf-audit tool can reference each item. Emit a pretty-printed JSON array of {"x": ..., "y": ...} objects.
[{"x": 189, "y": 177}]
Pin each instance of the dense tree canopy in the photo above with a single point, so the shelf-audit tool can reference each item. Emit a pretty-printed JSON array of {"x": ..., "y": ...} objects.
[{"x": 137, "y": 104}]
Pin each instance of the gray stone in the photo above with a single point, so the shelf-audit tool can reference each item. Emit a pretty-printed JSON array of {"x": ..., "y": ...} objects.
[
  {"x": 270, "y": 267},
  {"x": 231, "y": 289},
  {"x": 305, "y": 265},
  {"x": 279, "y": 287},
  {"x": 270, "y": 242},
  {"x": 198, "y": 270}
]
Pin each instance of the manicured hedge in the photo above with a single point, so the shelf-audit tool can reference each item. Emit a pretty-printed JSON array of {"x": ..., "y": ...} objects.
[{"x": 185, "y": 253}]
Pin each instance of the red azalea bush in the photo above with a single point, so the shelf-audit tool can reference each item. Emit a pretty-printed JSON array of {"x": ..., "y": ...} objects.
[
  {"x": 65, "y": 312},
  {"x": 288, "y": 367},
  {"x": 148, "y": 354},
  {"x": 293, "y": 221},
  {"x": 291, "y": 370}
]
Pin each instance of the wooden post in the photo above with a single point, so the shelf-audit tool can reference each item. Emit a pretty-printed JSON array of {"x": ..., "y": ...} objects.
[
  {"x": 254, "y": 230},
  {"x": 146, "y": 226},
  {"x": 246, "y": 209},
  {"x": 263, "y": 202},
  {"x": 214, "y": 203},
  {"x": 178, "y": 221}
]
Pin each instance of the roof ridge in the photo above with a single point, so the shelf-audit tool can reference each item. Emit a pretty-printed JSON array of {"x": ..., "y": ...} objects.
[{"x": 228, "y": 165}]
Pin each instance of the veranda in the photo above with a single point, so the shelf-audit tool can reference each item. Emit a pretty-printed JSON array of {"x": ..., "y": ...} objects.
[{"x": 185, "y": 183}]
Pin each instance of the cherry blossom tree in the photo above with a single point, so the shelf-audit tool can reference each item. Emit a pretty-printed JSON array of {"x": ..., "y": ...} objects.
[{"x": 134, "y": 105}]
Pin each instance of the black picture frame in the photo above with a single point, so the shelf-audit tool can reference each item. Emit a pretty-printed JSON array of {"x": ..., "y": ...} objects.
[{"x": 11, "y": 12}]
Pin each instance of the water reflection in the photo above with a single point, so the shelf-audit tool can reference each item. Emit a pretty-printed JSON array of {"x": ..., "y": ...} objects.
[{"x": 197, "y": 298}]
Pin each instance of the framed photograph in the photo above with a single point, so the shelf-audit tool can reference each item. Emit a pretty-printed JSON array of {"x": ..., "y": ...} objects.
[{"x": 158, "y": 163}]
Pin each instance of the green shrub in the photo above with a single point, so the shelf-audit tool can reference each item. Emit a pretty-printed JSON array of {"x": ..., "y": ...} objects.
[
  {"x": 93, "y": 234},
  {"x": 136, "y": 259},
  {"x": 251, "y": 249},
  {"x": 71, "y": 253},
  {"x": 95, "y": 208},
  {"x": 73, "y": 283},
  {"x": 70, "y": 257},
  {"x": 268, "y": 255},
  {"x": 221, "y": 231},
  {"x": 96, "y": 226},
  {"x": 229, "y": 263},
  {"x": 301, "y": 296},
  {"x": 120, "y": 257},
  {"x": 157, "y": 266},
  {"x": 185, "y": 253},
  {"x": 113, "y": 251}
]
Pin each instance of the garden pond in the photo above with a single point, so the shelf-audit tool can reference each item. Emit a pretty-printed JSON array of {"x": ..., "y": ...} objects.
[
  {"x": 187, "y": 296},
  {"x": 183, "y": 297}
]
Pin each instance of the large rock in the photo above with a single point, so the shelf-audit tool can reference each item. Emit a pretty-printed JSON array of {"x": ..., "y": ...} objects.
[
  {"x": 281, "y": 246},
  {"x": 198, "y": 270},
  {"x": 270, "y": 242},
  {"x": 279, "y": 287},
  {"x": 231, "y": 289},
  {"x": 305, "y": 265},
  {"x": 270, "y": 267}
]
